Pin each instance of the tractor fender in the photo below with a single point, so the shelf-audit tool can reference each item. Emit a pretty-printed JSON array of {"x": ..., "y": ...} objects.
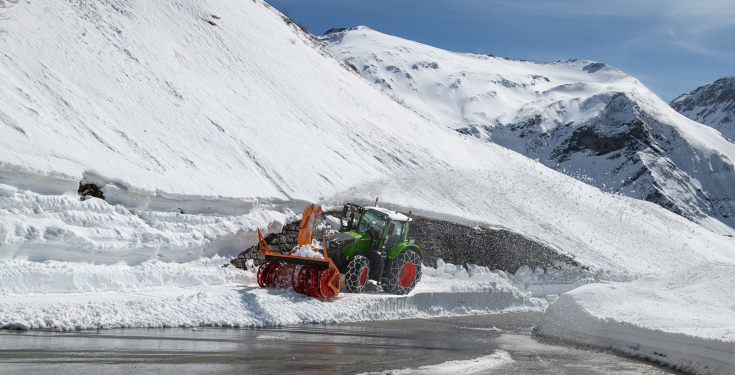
[{"x": 393, "y": 252}]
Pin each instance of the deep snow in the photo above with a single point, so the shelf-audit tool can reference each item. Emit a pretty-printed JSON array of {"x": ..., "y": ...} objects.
[
  {"x": 158, "y": 294},
  {"x": 684, "y": 317},
  {"x": 198, "y": 134}
]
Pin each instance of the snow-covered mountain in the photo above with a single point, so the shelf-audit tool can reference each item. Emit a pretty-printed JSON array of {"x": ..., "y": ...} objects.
[
  {"x": 582, "y": 118},
  {"x": 712, "y": 105},
  {"x": 201, "y": 121}
]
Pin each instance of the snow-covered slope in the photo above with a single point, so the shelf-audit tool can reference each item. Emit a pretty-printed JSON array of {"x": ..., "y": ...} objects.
[
  {"x": 581, "y": 118},
  {"x": 712, "y": 105},
  {"x": 168, "y": 112},
  {"x": 165, "y": 100}
]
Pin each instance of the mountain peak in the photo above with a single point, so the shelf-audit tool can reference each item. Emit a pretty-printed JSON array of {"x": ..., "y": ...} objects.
[
  {"x": 712, "y": 105},
  {"x": 579, "y": 117}
]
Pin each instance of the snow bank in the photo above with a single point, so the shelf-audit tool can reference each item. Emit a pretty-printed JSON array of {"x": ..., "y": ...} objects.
[
  {"x": 684, "y": 319},
  {"x": 161, "y": 298},
  {"x": 539, "y": 282},
  {"x": 165, "y": 107},
  {"x": 63, "y": 228},
  {"x": 20, "y": 277},
  {"x": 309, "y": 251}
]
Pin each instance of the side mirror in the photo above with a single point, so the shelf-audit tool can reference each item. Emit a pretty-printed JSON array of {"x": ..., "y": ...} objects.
[{"x": 391, "y": 229}]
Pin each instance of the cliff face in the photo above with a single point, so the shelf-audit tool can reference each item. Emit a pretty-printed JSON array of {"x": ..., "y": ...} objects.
[{"x": 712, "y": 105}]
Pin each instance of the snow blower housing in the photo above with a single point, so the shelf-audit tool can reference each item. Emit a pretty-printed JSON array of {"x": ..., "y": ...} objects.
[{"x": 374, "y": 245}]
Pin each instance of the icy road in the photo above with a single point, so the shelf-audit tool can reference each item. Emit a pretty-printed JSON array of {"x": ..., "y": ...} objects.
[{"x": 497, "y": 344}]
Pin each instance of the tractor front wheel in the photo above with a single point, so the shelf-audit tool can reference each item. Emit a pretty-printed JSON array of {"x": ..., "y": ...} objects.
[
  {"x": 357, "y": 274},
  {"x": 404, "y": 273}
]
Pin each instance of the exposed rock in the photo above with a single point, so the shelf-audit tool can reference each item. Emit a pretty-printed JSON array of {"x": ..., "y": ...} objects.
[
  {"x": 90, "y": 190},
  {"x": 454, "y": 243},
  {"x": 712, "y": 105},
  {"x": 495, "y": 249}
]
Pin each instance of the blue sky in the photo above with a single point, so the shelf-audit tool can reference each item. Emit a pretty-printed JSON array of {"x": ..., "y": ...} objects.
[{"x": 672, "y": 46}]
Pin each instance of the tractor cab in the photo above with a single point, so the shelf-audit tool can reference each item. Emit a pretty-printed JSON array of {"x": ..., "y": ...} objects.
[{"x": 385, "y": 228}]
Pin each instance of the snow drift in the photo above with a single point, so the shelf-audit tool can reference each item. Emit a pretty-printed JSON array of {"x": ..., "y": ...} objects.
[
  {"x": 239, "y": 302},
  {"x": 683, "y": 319}
]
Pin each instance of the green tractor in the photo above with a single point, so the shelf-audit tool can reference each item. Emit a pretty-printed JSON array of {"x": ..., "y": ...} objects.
[{"x": 374, "y": 245}]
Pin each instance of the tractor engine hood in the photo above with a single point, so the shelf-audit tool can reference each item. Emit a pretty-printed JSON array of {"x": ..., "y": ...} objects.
[{"x": 341, "y": 239}]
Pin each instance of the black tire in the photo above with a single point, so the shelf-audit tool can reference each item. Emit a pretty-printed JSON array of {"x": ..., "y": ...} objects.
[
  {"x": 404, "y": 273},
  {"x": 357, "y": 274}
]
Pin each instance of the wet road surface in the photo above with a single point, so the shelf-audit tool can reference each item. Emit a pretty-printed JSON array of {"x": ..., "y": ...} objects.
[{"x": 347, "y": 348}]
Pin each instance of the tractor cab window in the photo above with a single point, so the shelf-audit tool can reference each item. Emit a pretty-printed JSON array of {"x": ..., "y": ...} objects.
[
  {"x": 372, "y": 223},
  {"x": 395, "y": 234}
]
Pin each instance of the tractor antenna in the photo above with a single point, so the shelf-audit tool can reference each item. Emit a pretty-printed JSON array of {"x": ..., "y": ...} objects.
[{"x": 376, "y": 201}]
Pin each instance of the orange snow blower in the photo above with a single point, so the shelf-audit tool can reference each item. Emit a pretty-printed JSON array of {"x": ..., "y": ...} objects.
[{"x": 315, "y": 276}]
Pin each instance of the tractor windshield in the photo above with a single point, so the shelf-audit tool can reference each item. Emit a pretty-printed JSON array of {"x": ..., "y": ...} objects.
[
  {"x": 372, "y": 223},
  {"x": 396, "y": 233}
]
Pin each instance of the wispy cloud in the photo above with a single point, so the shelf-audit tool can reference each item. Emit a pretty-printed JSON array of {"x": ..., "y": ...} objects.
[
  {"x": 697, "y": 26},
  {"x": 703, "y": 15},
  {"x": 693, "y": 25}
]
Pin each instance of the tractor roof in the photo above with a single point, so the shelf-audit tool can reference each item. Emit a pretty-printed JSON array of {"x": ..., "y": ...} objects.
[{"x": 396, "y": 216}]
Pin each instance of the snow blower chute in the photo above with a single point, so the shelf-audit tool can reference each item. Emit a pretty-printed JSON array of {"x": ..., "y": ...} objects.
[{"x": 308, "y": 270}]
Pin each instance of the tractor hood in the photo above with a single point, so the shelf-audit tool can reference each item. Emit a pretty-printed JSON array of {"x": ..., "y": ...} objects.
[{"x": 343, "y": 239}]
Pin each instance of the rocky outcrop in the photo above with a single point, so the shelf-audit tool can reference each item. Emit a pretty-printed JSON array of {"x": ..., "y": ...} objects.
[
  {"x": 280, "y": 243},
  {"x": 712, "y": 105},
  {"x": 627, "y": 150},
  {"x": 493, "y": 248}
]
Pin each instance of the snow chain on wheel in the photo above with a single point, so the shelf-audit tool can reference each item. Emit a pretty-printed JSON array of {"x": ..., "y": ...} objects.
[
  {"x": 404, "y": 273},
  {"x": 357, "y": 274}
]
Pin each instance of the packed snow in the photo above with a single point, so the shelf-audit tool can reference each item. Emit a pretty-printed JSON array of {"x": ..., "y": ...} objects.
[
  {"x": 202, "y": 293},
  {"x": 683, "y": 319},
  {"x": 309, "y": 251},
  {"x": 200, "y": 132},
  {"x": 61, "y": 227}
]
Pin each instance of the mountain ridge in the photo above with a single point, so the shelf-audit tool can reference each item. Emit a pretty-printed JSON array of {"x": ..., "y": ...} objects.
[
  {"x": 712, "y": 105},
  {"x": 579, "y": 117}
]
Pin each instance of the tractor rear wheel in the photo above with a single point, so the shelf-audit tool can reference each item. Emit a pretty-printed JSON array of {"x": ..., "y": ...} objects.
[
  {"x": 357, "y": 274},
  {"x": 404, "y": 273}
]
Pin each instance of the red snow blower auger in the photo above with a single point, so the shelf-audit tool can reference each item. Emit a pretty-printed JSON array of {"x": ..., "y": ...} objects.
[{"x": 305, "y": 268}]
